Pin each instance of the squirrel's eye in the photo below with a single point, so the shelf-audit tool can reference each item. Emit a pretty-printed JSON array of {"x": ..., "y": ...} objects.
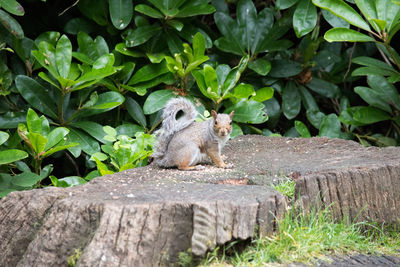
[
  {"x": 230, "y": 123},
  {"x": 215, "y": 122}
]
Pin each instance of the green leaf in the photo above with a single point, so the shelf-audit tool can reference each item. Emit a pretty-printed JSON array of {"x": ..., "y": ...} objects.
[
  {"x": 346, "y": 35},
  {"x": 12, "y": 7},
  {"x": 199, "y": 45},
  {"x": 102, "y": 168},
  {"x": 63, "y": 56},
  {"x": 369, "y": 115},
  {"x": 284, "y": 4},
  {"x": 372, "y": 62},
  {"x": 263, "y": 94},
  {"x": 11, "y": 25},
  {"x": 388, "y": 12},
  {"x": 38, "y": 141},
  {"x": 373, "y": 98},
  {"x": 334, "y": 21},
  {"x": 106, "y": 101},
  {"x": 260, "y": 66},
  {"x": 72, "y": 181},
  {"x": 304, "y": 18},
  {"x": 307, "y": 99},
  {"x": 55, "y": 149},
  {"x": 176, "y": 24},
  {"x": 229, "y": 28},
  {"x": 291, "y": 101},
  {"x": 157, "y": 100},
  {"x": 140, "y": 88},
  {"x": 148, "y": 11},
  {"x": 243, "y": 90},
  {"x": 129, "y": 129},
  {"x": 86, "y": 143},
  {"x": 330, "y": 127},
  {"x": 283, "y": 68},
  {"x": 302, "y": 129},
  {"x": 94, "y": 129},
  {"x": 194, "y": 8},
  {"x": 248, "y": 111},
  {"x": 347, "y": 116},
  {"x": 55, "y": 137},
  {"x": 3, "y": 137},
  {"x": 386, "y": 90},
  {"x": 121, "y": 12},
  {"x": 141, "y": 35},
  {"x": 33, "y": 122},
  {"x": 363, "y": 71},
  {"x": 26, "y": 179},
  {"x": 135, "y": 111},
  {"x": 324, "y": 88},
  {"x": 210, "y": 79},
  {"x": 368, "y": 9},
  {"x": 148, "y": 72},
  {"x": 11, "y": 119},
  {"x": 315, "y": 117},
  {"x": 344, "y": 11},
  {"x": 11, "y": 155},
  {"x": 36, "y": 95}
]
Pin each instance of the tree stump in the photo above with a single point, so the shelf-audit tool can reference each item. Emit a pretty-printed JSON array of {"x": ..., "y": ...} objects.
[{"x": 146, "y": 216}]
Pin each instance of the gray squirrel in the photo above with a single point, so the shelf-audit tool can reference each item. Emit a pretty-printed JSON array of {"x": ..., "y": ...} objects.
[{"x": 184, "y": 143}]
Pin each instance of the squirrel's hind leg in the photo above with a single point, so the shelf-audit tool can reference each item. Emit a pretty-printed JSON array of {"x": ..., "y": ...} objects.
[{"x": 188, "y": 157}]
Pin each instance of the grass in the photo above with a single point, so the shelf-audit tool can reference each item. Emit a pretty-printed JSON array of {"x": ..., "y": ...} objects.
[{"x": 304, "y": 238}]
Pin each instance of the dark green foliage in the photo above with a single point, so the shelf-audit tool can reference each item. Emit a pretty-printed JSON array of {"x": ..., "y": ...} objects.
[{"x": 65, "y": 76}]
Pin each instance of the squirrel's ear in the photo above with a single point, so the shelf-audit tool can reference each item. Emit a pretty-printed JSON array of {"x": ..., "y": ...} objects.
[
  {"x": 231, "y": 114},
  {"x": 214, "y": 114}
]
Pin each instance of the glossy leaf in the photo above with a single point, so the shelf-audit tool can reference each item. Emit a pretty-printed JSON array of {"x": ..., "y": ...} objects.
[
  {"x": 324, "y": 88},
  {"x": 135, "y": 111},
  {"x": 121, "y": 12},
  {"x": 386, "y": 90},
  {"x": 347, "y": 116},
  {"x": 260, "y": 66},
  {"x": 157, "y": 100},
  {"x": 194, "y": 8},
  {"x": 63, "y": 56},
  {"x": 248, "y": 112},
  {"x": 3, "y": 137},
  {"x": 304, "y": 18},
  {"x": 373, "y": 98},
  {"x": 283, "y": 68},
  {"x": 210, "y": 79},
  {"x": 302, "y": 129},
  {"x": 11, "y": 155},
  {"x": 11, "y": 25},
  {"x": 291, "y": 101},
  {"x": 368, "y": 9},
  {"x": 369, "y": 115},
  {"x": 26, "y": 179},
  {"x": 388, "y": 12},
  {"x": 263, "y": 94},
  {"x": 284, "y": 4},
  {"x": 13, "y": 7},
  {"x": 86, "y": 143},
  {"x": 307, "y": 99},
  {"x": 330, "y": 127},
  {"x": 56, "y": 136},
  {"x": 372, "y": 62},
  {"x": 36, "y": 95},
  {"x": 243, "y": 91},
  {"x": 344, "y": 11},
  {"x": 315, "y": 117},
  {"x": 199, "y": 45},
  {"x": 148, "y": 72},
  {"x": 346, "y": 35},
  {"x": 38, "y": 142},
  {"x": 148, "y": 11},
  {"x": 334, "y": 21},
  {"x": 141, "y": 35}
]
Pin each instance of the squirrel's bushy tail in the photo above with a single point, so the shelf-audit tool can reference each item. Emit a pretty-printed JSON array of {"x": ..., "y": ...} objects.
[{"x": 171, "y": 125}]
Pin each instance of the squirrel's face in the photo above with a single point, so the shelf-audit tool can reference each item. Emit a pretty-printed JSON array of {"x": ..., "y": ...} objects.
[{"x": 222, "y": 125}]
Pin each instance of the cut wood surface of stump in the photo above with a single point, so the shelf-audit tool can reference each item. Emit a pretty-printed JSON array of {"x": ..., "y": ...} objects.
[{"x": 146, "y": 216}]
